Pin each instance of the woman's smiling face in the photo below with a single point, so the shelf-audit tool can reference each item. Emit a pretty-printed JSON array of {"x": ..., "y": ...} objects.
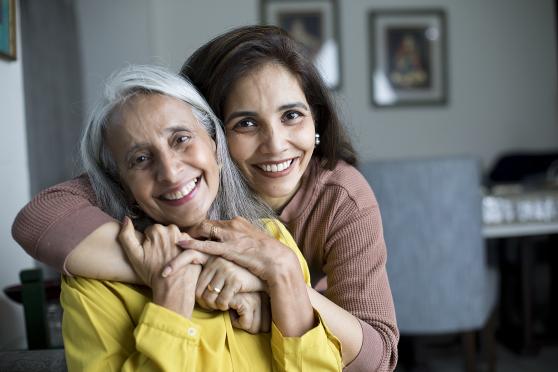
[
  {"x": 270, "y": 131},
  {"x": 165, "y": 158}
]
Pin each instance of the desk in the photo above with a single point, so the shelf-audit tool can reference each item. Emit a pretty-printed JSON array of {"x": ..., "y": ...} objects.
[
  {"x": 521, "y": 215},
  {"x": 519, "y": 229}
]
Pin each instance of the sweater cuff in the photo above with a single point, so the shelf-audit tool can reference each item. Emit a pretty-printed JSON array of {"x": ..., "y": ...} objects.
[
  {"x": 370, "y": 355},
  {"x": 66, "y": 233}
]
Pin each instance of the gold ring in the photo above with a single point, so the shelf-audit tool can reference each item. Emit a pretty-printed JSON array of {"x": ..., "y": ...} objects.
[
  {"x": 212, "y": 233},
  {"x": 212, "y": 289}
]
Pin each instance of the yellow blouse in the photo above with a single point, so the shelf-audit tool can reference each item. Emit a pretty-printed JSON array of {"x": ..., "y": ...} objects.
[{"x": 110, "y": 326}]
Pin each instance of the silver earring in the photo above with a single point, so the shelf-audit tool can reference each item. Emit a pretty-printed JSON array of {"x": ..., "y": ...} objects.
[{"x": 317, "y": 136}]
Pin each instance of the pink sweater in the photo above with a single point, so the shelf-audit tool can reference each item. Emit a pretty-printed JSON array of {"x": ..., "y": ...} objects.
[{"x": 334, "y": 218}]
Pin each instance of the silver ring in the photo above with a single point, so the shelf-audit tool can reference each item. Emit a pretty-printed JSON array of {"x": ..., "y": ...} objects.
[{"x": 212, "y": 289}]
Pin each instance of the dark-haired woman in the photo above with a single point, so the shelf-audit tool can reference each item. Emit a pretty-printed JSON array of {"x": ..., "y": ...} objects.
[{"x": 284, "y": 134}]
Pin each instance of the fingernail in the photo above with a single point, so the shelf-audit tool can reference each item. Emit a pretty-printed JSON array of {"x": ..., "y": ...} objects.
[
  {"x": 167, "y": 270},
  {"x": 182, "y": 243}
]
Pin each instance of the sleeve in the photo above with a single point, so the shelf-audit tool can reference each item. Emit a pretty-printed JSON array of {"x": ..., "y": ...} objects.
[
  {"x": 57, "y": 219},
  {"x": 316, "y": 350},
  {"x": 100, "y": 334},
  {"x": 355, "y": 264}
]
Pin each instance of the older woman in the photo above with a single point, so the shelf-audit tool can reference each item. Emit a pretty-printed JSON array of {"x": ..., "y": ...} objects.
[
  {"x": 154, "y": 148},
  {"x": 288, "y": 141}
]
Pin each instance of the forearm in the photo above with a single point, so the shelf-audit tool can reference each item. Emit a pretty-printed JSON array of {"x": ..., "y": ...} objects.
[
  {"x": 343, "y": 324},
  {"x": 291, "y": 309},
  {"x": 100, "y": 256}
]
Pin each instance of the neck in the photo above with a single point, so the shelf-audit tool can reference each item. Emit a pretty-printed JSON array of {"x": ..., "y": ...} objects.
[{"x": 278, "y": 203}]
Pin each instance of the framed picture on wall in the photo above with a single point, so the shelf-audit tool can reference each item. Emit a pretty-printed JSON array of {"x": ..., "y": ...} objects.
[
  {"x": 314, "y": 24},
  {"x": 7, "y": 29},
  {"x": 408, "y": 62}
]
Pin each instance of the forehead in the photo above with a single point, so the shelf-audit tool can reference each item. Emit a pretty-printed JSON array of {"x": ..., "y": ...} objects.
[
  {"x": 145, "y": 114},
  {"x": 146, "y": 119},
  {"x": 272, "y": 80}
]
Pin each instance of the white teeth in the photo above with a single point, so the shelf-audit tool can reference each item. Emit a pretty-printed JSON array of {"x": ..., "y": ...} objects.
[
  {"x": 182, "y": 192},
  {"x": 273, "y": 168}
]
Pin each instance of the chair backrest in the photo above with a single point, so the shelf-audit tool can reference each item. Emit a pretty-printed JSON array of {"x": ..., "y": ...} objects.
[{"x": 431, "y": 213}]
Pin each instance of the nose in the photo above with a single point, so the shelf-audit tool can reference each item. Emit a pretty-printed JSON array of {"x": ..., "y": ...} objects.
[
  {"x": 168, "y": 167},
  {"x": 275, "y": 140}
]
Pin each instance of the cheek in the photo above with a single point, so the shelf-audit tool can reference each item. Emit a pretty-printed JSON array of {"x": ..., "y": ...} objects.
[
  {"x": 239, "y": 148},
  {"x": 137, "y": 187}
]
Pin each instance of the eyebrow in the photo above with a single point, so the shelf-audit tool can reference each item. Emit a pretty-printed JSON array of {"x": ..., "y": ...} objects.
[{"x": 253, "y": 113}]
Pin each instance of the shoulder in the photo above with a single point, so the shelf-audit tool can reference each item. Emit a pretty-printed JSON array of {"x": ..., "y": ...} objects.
[
  {"x": 344, "y": 184},
  {"x": 78, "y": 188}
]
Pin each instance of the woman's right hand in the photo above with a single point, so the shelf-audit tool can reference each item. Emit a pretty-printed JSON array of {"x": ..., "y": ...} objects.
[{"x": 176, "y": 292}]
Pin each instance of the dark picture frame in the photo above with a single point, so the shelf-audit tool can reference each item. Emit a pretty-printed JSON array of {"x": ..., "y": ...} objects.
[
  {"x": 8, "y": 29},
  {"x": 315, "y": 24},
  {"x": 408, "y": 57}
]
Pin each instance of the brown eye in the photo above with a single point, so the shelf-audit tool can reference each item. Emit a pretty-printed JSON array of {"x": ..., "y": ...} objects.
[
  {"x": 292, "y": 115},
  {"x": 182, "y": 139},
  {"x": 139, "y": 161},
  {"x": 245, "y": 125}
]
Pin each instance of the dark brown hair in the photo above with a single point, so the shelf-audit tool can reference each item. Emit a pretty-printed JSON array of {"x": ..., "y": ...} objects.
[{"x": 216, "y": 66}]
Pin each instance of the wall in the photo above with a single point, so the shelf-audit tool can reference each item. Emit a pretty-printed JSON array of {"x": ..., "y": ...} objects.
[
  {"x": 502, "y": 68},
  {"x": 15, "y": 192},
  {"x": 113, "y": 34},
  {"x": 502, "y": 78}
]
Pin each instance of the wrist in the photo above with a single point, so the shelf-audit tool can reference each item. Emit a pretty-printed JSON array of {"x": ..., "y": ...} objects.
[{"x": 284, "y": 273}]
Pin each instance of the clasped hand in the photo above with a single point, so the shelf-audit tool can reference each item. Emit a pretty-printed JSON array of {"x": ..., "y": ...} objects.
[{"x": 178, "y": 280}]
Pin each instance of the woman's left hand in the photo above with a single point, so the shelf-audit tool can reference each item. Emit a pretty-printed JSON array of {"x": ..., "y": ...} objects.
[{"x": 239, "y": 241}]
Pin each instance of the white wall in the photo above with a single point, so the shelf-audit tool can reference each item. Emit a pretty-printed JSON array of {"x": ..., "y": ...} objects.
[
  {"x": 15, "y": 193},
  {"x": 502, "y": 68}
]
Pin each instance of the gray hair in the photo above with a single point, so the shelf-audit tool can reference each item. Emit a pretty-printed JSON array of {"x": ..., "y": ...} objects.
[{"x": 234, "y": 197}]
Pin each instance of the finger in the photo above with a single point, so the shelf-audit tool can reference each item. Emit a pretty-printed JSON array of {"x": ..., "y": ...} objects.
[
  {"x": 209, "y": 247},
  {"x": 244, "y": 318},
  {"x": 227, "y": 293},
  {"x": 187, "y": 257},
  {"x": 205, "y": 277},
  {"x": 129, "y": 241},
  {"x": 212, "y": 292},
  {"x": 208, "y": 229}
]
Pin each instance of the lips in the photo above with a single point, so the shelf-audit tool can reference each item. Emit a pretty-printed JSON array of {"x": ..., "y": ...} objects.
[{"x": 183, "y": 192}]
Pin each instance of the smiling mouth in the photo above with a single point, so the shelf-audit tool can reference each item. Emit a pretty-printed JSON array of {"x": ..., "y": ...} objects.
[
  {"x": 275, "y": 167},
  {"x": 182, "y": 193}
]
